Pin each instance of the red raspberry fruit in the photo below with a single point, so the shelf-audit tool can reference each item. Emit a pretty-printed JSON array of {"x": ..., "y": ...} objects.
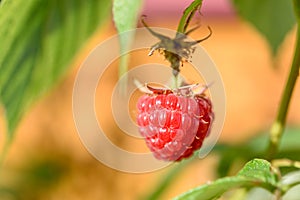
[{"x": 174, "y": 125}]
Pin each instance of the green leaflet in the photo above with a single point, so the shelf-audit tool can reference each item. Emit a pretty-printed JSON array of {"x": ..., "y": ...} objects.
[
  {"x": 256, "y": 173},
  {"x": 125, "y": 14},
  {"x": 272, "y": 18},
  {"x": 38, "y": 41}
]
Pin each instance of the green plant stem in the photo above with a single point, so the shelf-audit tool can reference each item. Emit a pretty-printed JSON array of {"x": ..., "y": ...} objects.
[
  {"x": 187, "y": 15},
  {"x": 184, "y": 22},
  {"x": 172, "y": 174},
  {"x": 175, "y": 82},
  {"x": 278, "y": 126}
]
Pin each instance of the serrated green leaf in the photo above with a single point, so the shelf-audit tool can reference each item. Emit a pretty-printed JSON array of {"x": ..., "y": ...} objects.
[
  {"x": 38, "y": 40},
  {"x": 214, "y": 189},
  {"x": 259, "y": 169},
  {"x": 125, "y": 14},
  {"x": 272, "y": 18},
  {"x": 256, "y": 173}
]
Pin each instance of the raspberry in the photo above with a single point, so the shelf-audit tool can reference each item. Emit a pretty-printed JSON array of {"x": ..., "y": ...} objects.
[{"x": 174, "y": 125}]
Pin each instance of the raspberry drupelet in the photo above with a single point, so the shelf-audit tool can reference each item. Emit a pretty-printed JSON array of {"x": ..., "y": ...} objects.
[{"x": 173, "y": 124}]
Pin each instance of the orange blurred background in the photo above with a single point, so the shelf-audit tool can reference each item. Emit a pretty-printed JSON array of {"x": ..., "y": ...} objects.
[{"x": 47, "y": 135}]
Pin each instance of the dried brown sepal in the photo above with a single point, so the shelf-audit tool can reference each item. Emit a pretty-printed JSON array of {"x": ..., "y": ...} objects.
[
  {"x": 186, "y": 90},
  {"x": 175, "y": 50},
  {"x": 157, "y": 90}
]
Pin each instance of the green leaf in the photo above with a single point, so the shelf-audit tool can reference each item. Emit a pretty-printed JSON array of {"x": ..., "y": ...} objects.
[
  {"x": 125, "y": 14},
  {"x": 272, "y": 18},
  {"x": 261, "y": 170},
  {"x": 38, "y": 41},
  {"x": 297, "y": 9},
  {"x": 256, "y": 173}
]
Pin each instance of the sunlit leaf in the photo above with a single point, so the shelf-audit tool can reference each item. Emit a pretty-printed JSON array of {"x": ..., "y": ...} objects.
[
  {"x": 38, "y": 41},
  {"x": 125, "y": 14},
  {"x": 256, "y": 173}
]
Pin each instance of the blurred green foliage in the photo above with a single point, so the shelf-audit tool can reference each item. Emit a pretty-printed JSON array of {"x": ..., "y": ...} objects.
[
  {"x": 38, "y": 175},
  {"x": 272, "y": 18},
  {"x": 39, "y": 39},
  {"x": 256, "y": 173}
]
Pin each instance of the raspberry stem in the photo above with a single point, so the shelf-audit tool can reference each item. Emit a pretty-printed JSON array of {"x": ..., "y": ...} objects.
[
  {"x": 188, "y": 15},
  {"x": 182, "y": 27},
  {"x": 278, "y": 126},
  {"x": 176, "y": 82}
]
